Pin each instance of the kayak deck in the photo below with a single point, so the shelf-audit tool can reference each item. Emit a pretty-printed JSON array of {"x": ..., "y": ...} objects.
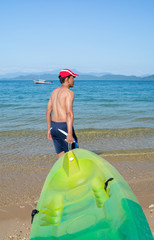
[{"x": 84, "y": 197}]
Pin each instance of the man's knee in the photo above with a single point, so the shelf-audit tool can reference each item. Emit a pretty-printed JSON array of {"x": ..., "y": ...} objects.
[{"x": 60, "y": 154}]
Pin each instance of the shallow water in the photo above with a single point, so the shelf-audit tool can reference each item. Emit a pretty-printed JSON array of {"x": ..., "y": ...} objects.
[
  {"x": 109, "y": 115},
  {"x": 16, "y": 145}
]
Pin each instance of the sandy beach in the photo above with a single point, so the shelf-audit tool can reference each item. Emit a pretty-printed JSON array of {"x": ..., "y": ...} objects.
[
  {"x": 21, "y": 187},
  {"x": 108, "y": 64}
]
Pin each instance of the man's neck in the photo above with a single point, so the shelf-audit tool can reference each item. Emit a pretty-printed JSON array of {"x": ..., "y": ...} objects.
[{"x": 65, "y": 85}]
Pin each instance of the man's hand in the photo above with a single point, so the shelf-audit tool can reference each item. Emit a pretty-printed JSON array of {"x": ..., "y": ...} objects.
[
  {"x": 69, "y": 139},
  {"x": 49, "y": 135}
]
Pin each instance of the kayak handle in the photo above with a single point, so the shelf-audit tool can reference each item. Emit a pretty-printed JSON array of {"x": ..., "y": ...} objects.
[
  {"x": 107, "y": 182},
  {"x": 34, "y": 212}
]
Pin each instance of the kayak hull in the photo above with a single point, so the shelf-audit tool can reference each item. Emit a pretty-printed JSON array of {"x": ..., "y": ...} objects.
[{"x": 84, "y": 197}]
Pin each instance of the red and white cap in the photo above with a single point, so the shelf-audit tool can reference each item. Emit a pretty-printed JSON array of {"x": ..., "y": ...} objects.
[{"x": 66, "y": 72}]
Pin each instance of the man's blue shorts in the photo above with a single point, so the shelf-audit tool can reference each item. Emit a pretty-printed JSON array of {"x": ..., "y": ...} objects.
[{"x": 59, "y": 134}]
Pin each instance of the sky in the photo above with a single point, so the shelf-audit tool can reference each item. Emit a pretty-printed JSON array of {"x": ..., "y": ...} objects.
[{"x": 115, "y": 36}]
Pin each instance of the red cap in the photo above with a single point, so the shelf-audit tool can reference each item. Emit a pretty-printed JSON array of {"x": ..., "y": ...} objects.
[{"x": 66, "y": 72}]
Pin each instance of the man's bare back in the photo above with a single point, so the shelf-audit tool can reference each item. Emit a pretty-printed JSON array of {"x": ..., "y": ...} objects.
[
  {"x": 61, "y": 106},
  {"x": 61, "y": 98}
]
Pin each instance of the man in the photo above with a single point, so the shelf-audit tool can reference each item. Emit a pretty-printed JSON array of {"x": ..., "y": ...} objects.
[{"x": 60, "y": 125}]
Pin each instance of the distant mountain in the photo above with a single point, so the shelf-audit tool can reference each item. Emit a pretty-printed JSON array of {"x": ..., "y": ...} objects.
[
  {"x": 18, "y": 74},
  {"x": 34, "y": 76},
  {"x": 53, "y": 75},
  {"x": 149, "y": 78},
  {"x": 118, "y": 77},
  {"x": 12, "y": 75}
]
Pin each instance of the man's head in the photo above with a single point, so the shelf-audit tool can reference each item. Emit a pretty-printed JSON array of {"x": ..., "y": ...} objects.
[{"x": 67, "y": 76}]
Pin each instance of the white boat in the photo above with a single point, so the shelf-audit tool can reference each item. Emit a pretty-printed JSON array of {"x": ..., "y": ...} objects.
[{"x": 41, "y": 81}]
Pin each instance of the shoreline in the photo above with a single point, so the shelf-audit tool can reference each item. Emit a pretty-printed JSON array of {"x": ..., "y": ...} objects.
[
  {"x": 25, "y": 143},
  {"x": 21, "y": 187},
  {"x": 130, "y": 131}
]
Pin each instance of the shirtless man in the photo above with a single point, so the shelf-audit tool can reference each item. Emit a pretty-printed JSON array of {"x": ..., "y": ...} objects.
[{"x": 60, "y": 125}]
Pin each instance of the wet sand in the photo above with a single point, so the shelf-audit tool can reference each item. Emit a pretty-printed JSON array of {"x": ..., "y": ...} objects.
[{"x": 21, "y": 186}]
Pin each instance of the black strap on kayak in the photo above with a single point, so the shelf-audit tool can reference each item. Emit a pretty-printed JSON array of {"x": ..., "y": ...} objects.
[
  {"x": 107, "y": 182},
  {"x": 34, "y": 212}
]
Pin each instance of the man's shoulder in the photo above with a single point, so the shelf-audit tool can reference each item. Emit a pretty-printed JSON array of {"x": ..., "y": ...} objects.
[
  {"x": 55, "y": 90},
  {"x": 71, "y": 93},
  {"x": 67, "y": 92},
  {"x": 64, "y": 92}
]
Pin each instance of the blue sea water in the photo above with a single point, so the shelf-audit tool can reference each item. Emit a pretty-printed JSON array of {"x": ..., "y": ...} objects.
[
  {"x": 120, "y": 114},
  {"x": 97, "y": 104}
]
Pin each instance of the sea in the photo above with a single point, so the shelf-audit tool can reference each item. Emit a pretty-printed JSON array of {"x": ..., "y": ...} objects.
[{"x": 117, "y": 114}]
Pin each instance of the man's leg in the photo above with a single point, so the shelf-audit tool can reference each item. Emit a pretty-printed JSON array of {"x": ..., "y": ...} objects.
[{"x": 60, "y": 154}]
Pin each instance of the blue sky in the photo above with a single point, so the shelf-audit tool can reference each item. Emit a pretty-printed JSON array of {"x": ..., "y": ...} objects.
[{"x": 114, "y": 36}]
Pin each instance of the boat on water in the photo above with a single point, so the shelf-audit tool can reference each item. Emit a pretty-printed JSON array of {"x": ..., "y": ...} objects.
[{"x": 41, "y": 81}]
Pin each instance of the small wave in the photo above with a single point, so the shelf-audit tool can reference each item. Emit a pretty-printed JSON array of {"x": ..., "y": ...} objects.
[
  {"x": 90, "y": 132},
  {"x": 110, "y": 105},
  {"x": 144, "y": 119},
  {"x": 125, "y": 132}
]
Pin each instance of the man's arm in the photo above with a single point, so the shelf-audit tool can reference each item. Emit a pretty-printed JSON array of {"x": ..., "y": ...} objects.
[
  {"x": 48, "y": 117},
  {"x": 69, "y": 116}
]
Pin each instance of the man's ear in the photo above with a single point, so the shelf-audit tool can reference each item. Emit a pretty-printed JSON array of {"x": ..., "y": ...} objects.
[{"x": 67, "y": 79}]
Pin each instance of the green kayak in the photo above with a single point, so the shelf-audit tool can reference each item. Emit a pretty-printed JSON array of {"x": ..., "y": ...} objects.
[{"x": 84, "y": 198}]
